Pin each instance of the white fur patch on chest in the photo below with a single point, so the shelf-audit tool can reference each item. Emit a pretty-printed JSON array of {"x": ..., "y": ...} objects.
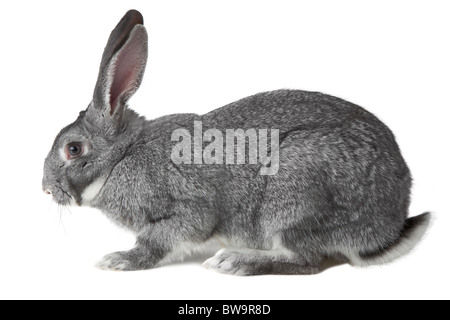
[{"x": 92, "y": 191}]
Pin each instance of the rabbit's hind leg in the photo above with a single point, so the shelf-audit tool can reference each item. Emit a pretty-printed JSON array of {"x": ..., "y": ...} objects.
[{"x": 250, "y": 262}]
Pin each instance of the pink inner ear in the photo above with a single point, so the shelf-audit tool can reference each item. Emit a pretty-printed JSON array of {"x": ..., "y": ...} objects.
[{"x": 128, "y": 64}]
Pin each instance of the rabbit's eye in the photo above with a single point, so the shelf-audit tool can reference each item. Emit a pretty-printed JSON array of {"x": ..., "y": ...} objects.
[{"x": 74, "y": 150}]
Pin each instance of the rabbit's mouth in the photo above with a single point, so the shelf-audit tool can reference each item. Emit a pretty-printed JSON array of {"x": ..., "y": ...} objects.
[{"x": 62, "y": 197}]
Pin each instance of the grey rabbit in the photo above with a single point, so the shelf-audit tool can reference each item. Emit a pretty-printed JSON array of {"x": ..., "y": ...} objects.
[{"x": 342, "y": 189}]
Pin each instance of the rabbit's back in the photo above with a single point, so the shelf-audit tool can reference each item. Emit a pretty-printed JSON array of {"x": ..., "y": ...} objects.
[{"x": 285, "y": 110}]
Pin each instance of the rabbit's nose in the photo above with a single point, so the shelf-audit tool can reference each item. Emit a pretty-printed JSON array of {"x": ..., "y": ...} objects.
[{"x": 47, "y": 191}]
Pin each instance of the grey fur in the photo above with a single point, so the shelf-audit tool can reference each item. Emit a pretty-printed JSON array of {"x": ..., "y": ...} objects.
[{"x": 343, "y": 188}]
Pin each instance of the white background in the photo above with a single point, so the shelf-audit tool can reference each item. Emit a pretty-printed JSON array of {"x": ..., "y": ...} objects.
[{"x": 392, "y": 57}]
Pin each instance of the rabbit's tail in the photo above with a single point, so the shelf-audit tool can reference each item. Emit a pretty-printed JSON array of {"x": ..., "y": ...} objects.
[{"x": 412, "y": 233}]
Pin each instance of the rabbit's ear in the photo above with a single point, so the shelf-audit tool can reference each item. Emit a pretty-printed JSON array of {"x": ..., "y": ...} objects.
[{"x": 121, "y": 70}]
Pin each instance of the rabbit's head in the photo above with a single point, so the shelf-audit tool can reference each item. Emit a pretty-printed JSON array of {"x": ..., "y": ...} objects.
[{"x": 85, "y": 152}]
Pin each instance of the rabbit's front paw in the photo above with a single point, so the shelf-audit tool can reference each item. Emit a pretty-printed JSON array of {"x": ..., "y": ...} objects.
[
  {"x": 228, "y": 262},
  {"x": 115, "y": 262}
]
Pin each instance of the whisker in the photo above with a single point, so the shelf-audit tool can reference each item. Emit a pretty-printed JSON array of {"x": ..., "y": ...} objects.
[
  {"x": 68, "y": 210},
  {"x": 61, "y": 222}
]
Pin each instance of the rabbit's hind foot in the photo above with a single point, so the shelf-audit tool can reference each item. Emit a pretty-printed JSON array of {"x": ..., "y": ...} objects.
[{"x": 248, "y": 262}]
